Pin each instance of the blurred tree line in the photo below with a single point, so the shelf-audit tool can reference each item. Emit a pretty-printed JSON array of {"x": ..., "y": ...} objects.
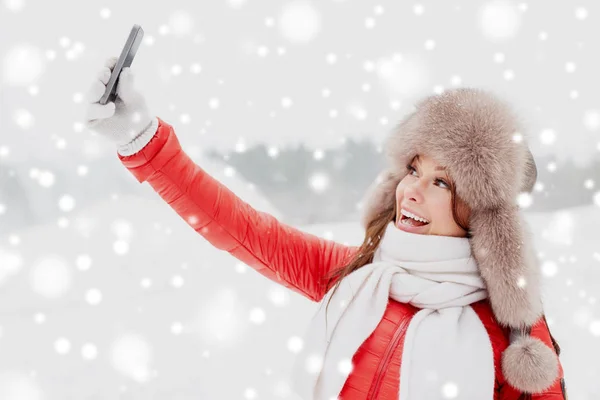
[
  {"x": 306, "y": 185},
  {"x": 287, "y": 180}
]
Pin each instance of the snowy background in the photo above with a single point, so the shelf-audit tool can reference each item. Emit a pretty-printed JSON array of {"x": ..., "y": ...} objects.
[{"x": 106, "y": 294}]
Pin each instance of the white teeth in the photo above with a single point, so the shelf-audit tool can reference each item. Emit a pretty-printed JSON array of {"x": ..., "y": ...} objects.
[{"x": 413, "y": 216}]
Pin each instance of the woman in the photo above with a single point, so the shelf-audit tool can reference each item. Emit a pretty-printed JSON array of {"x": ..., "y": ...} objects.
[{"x": 441, "y": 300}]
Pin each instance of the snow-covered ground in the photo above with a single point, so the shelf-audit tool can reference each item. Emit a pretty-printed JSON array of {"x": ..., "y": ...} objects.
[{"x": 128, "y": 302}]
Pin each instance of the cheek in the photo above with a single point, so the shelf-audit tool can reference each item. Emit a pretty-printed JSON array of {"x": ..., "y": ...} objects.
[
  {"x": 400, "y": 187},
  {"x": 442, "y": 210},
  {"x": 399, "y": 191}
]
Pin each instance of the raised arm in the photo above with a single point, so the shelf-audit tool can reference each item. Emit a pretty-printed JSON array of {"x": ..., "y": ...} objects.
[{"x": 296, "y": 259}]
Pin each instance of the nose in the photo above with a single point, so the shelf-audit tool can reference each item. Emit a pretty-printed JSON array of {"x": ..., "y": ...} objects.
[{"x": 413, "y": 192}]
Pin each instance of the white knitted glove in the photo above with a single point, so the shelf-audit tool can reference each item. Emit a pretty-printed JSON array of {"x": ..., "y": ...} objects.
[{"x": 123, "y": 120}]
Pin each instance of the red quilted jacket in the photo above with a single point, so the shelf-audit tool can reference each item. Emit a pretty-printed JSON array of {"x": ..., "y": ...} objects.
[{"x": 298, "y": 261}]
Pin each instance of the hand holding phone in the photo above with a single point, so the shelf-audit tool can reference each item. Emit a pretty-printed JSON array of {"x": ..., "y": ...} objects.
[
  {"x": 125, "y": 59},
  {"x": 124, "y": 114}
]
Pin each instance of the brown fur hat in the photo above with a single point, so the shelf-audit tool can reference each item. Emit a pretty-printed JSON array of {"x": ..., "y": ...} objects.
[{"x": 480, "y": 140}]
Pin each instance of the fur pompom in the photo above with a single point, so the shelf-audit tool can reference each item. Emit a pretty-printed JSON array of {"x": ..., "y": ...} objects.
[{"x": 529, "y": 365}]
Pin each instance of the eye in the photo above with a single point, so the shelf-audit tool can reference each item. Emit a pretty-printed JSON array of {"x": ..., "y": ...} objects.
[
  {"x": 443, "y": 183},
  {"x": 411, "y": 169}
]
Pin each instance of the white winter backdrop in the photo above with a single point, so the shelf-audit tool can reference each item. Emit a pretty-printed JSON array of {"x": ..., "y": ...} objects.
[{"x": 106, "y": 294}]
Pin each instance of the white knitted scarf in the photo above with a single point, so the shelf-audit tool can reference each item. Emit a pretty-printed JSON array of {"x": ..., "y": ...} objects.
[{"x": 447, "y": 352}]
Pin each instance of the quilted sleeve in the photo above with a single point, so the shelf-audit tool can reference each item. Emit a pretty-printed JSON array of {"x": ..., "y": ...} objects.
[{"x": 284, "y": 254}]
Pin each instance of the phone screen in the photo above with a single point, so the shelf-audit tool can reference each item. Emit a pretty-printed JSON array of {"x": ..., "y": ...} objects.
[{"x": 125, "y": 59}]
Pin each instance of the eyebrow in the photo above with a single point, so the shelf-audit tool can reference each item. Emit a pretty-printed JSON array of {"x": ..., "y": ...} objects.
[{"x": 436, "y": 168}]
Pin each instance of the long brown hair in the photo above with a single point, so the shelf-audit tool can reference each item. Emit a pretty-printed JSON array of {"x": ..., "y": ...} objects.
[{"x": 373, "y": 234}]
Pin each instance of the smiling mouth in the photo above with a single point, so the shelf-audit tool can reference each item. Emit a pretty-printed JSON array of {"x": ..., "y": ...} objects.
[{"x": 404, "y": 220}]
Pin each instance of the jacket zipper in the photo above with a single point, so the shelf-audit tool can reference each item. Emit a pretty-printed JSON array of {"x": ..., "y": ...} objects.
[{"x": 383, "y": 364}]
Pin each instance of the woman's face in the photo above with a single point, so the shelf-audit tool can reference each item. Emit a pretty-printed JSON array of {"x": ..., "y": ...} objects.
[{"x": 425, "y": 191}]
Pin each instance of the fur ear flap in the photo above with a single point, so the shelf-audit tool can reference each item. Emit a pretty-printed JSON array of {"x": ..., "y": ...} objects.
[{"x": 501, "y": 244}]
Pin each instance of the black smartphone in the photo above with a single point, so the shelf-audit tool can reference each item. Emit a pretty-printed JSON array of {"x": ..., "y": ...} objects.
[{"x": 125, "y": 59}]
